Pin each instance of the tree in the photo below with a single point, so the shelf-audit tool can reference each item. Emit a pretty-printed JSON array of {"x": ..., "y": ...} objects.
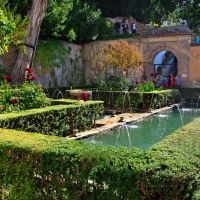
[
  {"x": 124, "y": 56},
  {"x": 190, "y": 10},
  {"x": 11, "y": 28},
  {"x": 32, "y": 32}
]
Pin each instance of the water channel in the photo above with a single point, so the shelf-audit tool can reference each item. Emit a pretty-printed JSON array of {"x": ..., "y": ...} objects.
[{"x": 148, "y": 132}]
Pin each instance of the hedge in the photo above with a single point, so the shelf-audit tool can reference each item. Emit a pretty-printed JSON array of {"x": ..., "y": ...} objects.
[
  {"x": 64, "y": 101},
  {"x": 36, "y": 166},
  {"x": 134, "y": 101},
  {"x": 58, "y": 120}
]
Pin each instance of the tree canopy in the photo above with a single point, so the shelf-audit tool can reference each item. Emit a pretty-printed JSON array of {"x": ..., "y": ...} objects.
[{"x": 12, "y": 28}]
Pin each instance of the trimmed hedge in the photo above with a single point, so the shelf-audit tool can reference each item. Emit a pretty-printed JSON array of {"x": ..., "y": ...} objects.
[
  {"x": 58, "y": 120},
  {"x": 134, "y": 101},
  {"x": 64, "y": 101},
  {"x": 35, "y": 166}
]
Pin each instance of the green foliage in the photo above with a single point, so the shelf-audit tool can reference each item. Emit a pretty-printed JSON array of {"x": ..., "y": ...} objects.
[
  {"x": 74, "y": 21},
  {"x": 22, "y": 97},
  {"x": 136, "y": 101},
  {"x": 4, "y": 70},
  {"x": 55, "y": 18},
  {"x": 21, "y": 7},
  {"x": 47, "y": 167},
  {"x": 47, "y": 55},
  {"x": 190, "y": 10},
  {"x": 86, "y": 23},
  {"x": 112, "y": 83},
  {"x": 32, "y": 96},
  {"x": 145, "y": 87},
  {"x": 12, "y": 28},
  {"x": 58, "y": 120}
]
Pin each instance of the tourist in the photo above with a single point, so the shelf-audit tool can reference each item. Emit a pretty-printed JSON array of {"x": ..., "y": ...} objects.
[
  {"x": 117, "y": 27},
  {"x": 164, "y": 82},
  {"x": 172, "y": 80},
  {"x": 178, "y": 81},
  {"x": 133, "y": 28},
  {"x": 157, "y": 81},
  {"x": 124, "y": 26}
]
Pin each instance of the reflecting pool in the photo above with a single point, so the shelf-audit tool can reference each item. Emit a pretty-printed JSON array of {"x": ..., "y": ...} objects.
[{"x": 148, "y": 132}]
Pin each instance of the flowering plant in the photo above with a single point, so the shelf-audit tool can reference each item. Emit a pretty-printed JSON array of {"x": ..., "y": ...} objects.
[
  {"x": 29, "y": 75},
  {"x": 7, "y": 78}
]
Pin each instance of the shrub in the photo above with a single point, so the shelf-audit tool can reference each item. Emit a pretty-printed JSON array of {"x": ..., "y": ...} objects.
[
  {"x": 134, "y": 101},
  {"x": 46, "y": 167},
  {"x": 58, "y": 120},
  {"x": 145, "y": 87},
  {"x": 32, "y": 96},
  {"x": 114, "y": 83},
  {"x": 26, "y": 96}
]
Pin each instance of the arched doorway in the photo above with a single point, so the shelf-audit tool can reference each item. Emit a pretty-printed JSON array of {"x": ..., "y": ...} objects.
[{"x": 165, "y": 63}]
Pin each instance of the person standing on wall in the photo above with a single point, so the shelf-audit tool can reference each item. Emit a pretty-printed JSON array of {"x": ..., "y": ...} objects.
[
  {"x": 133, "y": 27},
  {"x": 117, "y": 27}
]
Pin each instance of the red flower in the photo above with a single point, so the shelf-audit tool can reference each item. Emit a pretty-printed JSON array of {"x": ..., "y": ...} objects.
[
  {"x": 7, "y": 78},
  {"x": 152, "y": 74},
  {"x": 13, "y": 101},
  {"x": 33, "y": 78},
  {"x": 85, "y": 96},
  {"x": 29, "y": 76}
]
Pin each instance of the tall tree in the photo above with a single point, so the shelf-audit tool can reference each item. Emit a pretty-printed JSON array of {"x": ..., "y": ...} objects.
[{"x": 32, "y": 32}]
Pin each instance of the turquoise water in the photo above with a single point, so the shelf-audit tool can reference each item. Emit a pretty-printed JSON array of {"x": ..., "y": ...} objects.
[{"x": 146, "y": 133}]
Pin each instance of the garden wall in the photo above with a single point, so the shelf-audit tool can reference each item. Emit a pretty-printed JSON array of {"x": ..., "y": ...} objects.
[
  {"x": 94, "y": 58},
  {"x": 56, "y": 63},
  {"x": 194, "y": 73}
]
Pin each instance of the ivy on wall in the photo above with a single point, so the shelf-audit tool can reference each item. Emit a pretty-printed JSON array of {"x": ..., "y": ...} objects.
[{"x": 49, "y": 54}]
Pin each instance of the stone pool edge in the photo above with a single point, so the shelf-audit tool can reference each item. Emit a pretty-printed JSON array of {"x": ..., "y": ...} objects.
[{"x": 113, "y": 122}]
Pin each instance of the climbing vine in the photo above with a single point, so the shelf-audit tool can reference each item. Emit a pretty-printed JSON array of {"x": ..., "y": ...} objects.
[{"x": 49, "y": 54}]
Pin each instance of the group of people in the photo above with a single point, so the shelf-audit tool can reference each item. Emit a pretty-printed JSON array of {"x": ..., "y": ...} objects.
[
  {"x": 171, "y": 81},
  {"x": 124, "y": 27}
]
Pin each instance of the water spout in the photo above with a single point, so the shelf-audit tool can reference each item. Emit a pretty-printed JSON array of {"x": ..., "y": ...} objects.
[
  {"x": 179, "y": 110},
  {"x": 57, "y": 93}
]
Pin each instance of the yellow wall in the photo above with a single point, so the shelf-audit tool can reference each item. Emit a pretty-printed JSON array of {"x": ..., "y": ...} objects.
[{"x": 194, "y": 73}]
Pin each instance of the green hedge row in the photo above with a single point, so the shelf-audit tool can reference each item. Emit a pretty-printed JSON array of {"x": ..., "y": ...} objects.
[
  {"x": 63, "y": 102},
  {"x": 35, "y": 166},
  {"x": 58, "y": 120},
  {"x": 134, "y": 101}
]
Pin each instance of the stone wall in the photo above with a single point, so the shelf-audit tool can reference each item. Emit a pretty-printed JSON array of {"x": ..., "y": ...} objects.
[
  {"x": 66, "y": 70},
  {"x": 93, "y": 55},
  {"x": 194, "y": 71},
  {"x": 83, "y": 63}
]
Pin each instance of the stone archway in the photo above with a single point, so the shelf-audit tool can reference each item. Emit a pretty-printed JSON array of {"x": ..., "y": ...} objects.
[
  {"x": 165, "y": 63},
  {"x": 178, "y": 45}
]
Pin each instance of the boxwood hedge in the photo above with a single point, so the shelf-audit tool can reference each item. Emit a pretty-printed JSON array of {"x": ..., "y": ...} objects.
[
  {"x": 122, "y": 100},
  {"x": 36, "y": 166},
  {"x": 59, "y": 120}
]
